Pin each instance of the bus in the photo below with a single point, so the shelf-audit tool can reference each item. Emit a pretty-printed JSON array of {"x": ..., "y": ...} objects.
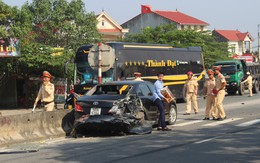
[{"x": 119, "y": 61}]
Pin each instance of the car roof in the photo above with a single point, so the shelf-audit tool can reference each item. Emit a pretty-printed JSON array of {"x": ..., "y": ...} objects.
[{"x": 127, "y": 82}]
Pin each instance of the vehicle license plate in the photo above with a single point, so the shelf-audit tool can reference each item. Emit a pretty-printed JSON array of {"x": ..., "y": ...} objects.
[{"x": 95, "y": 111}]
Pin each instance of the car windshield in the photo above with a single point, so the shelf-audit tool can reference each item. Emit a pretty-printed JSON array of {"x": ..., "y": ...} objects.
[{"x": 122, "y": 89}]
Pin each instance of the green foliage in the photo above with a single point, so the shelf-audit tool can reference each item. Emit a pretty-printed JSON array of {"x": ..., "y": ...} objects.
[
  {"x": 41, "y": 26},
  {"x": 168, "y": 34}
]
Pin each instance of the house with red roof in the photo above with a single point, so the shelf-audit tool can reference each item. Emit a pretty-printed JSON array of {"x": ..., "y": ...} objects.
[
  {"x": 239, "y": 43},
  {"x": 109, "y": 28},
  {"x": 151, "y": 18}
]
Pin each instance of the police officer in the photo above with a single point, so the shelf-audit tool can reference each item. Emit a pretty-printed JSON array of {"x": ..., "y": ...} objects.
[
  {"x": 46, "y": 92},
  {"x": 219, "y": 91},
  {"x": 191, "y": 91},
  {"x": 137, "y": 76},
  {"x": 210, "y": 97},
  {"x": 250, "y": 83}
]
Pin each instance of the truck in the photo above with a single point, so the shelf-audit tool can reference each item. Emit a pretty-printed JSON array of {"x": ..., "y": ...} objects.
[
  {"x": 121, "y": 59},
  {"x": 235, "y": 72}
]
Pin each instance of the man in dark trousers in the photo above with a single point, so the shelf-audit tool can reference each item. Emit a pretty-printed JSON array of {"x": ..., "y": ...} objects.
[{"x": 158, "y": 100}]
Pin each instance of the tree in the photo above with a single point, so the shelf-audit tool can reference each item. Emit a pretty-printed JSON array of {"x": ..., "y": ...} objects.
[
  {"x": 42, "y": 26},
  {"x": 168, "y": 34}
]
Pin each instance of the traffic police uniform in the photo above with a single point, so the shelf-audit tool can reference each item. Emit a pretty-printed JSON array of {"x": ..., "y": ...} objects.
[
  {"x": 218, "y": 112},
  {"x": 138, "y": 76},
  {"x": 249, "y": 80},
  {"x": 46, "y": 93},
  {"x": 191, "y": 88},
  {"x": 210, "y": 97}
]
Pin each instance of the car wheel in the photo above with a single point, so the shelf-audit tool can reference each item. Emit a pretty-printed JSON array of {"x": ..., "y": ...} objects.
[{"x": 172, "y": 115}]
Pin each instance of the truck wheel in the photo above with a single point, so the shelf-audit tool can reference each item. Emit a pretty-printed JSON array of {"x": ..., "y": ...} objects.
[
  {"x": 172, "y": 115},
  {"x": 241, "y": 89},
  {"x": 255, "y": 86}
]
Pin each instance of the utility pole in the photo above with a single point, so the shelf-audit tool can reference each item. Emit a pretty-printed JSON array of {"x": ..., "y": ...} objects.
[
  {"x": 258, "y": 42},
  {"x": 99, "y": 63}
]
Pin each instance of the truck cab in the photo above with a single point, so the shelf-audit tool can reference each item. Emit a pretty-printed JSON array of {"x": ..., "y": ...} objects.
[{"x": 235, "y": 72}]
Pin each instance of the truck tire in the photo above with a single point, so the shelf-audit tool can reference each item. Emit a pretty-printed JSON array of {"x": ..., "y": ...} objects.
[
  {"x": 241, "y": 89},
  {"x": 255, "y": 86}
]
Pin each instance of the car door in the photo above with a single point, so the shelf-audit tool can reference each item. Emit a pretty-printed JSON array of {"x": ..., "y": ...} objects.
[{"x": 146, "y": 95}]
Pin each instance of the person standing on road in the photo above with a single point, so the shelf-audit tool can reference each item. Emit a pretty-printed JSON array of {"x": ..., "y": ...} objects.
[
  {"x": 210, "y": 97},
  {"x": 249, "y": 80},
  {"x": 158, "y": 100},
  {"x": 46, "y": 92},
  {"x": 219, "y": 91},
  {"x": 191, "y": 91},
  {"x": 137, "y": 76}
]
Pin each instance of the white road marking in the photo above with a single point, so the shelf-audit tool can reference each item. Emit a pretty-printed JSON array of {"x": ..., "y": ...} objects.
[
  {"x": 216, "y": 123},
  {"x": 249, "y": 123},
  {"x": 188, "y": 123}
]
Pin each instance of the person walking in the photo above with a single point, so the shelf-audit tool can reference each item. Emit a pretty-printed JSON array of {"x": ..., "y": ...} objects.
[
  {"x": 191, "y": 91},
  {"x": 219, "y": 91},
  {"x": 46, "y": 92},
  {"x": 158, "y": 100},
  {"x": 137, "y": 76},
  {"x": 249, "y": 80},
  {"x": 208, "y": 94}
]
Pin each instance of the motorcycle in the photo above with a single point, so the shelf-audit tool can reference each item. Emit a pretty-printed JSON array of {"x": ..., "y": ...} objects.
[{"x": 71, "y": 99}]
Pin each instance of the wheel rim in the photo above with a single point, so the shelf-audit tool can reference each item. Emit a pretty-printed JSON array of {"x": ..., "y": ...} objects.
[{"x": 172, "y": 114}]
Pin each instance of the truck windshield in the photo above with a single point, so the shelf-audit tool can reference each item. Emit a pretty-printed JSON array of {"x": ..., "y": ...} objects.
[{"x": 228, "y": 69}]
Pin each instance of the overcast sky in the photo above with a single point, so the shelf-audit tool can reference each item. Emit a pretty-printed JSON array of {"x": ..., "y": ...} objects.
[{"x": 220, "y": 14}]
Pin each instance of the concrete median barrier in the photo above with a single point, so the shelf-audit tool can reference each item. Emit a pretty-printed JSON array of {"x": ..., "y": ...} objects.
[{"x": 31, "y": 126}]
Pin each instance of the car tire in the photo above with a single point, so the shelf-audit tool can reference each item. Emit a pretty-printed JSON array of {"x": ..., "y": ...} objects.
[{"x": 172, "y": 115}]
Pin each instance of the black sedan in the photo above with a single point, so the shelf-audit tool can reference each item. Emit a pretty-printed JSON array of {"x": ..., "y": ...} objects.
[{"x": 121, "y": 106}]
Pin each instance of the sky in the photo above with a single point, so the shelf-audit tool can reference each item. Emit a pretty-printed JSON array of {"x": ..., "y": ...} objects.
[{"x": 220, "y": 14}]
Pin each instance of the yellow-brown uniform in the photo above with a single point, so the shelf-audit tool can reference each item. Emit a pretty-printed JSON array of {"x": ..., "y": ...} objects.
[
  {"x": 218, "y": 111},
  {"x": 191, "y": 90},
  {"x": 46, "y": 95},
  {"x": 249, "y": 80},
  {"x": 211, "y": 98}
]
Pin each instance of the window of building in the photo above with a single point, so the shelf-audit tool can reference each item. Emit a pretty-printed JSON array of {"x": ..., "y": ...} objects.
[
  {"x": 103, "y": 23},
  {"x": 201, "y": 28}
]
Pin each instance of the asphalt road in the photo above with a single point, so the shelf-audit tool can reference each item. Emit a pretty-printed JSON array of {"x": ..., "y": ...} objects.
[{"x": 235, "y": 139}]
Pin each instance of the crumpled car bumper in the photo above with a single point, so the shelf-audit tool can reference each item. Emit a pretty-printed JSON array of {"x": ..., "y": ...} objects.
[{"x": 112, "y": 123}]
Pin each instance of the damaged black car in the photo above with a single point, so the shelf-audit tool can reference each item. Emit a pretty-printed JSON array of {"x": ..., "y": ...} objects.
[{"x": 117, "y": 107}]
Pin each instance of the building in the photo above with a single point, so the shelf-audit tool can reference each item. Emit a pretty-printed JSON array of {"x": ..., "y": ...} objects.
[
  {"x": 239, "y": 43},
  {"x": 150, "y": 18},
  {"x": 110, "y": 29}
]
